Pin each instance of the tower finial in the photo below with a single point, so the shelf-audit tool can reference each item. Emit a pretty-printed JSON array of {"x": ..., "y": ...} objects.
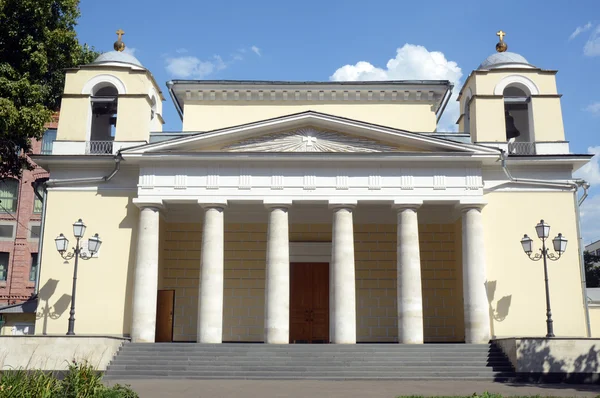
[
  {"x": 119, "y": 45},
  {"x": 501, "y": 46}
]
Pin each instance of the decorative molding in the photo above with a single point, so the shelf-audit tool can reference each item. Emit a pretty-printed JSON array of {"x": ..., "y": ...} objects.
[
  {"x": 439, "y": 181},
  {"x": 318, "y": 252},
  {"x": 180, "y": 181},
  {"x": 212, "y": 178},
  {"x": 519, "y": 81},
  {"x": 245, "y": 179},
  {"x": 472, "y": 179},
  {"x": 375, "y": 182},
  {"x": 309, "y": 140},
  {"x": 341, "y": 181},
  {"x": 310, "y": 182},
  {"x": 277, "y": 181},
  {"x": 147, "y": 180},
  {"x": 407, "y": 180}
]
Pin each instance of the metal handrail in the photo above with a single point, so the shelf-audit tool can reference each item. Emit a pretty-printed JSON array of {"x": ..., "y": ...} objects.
[
  {"x": 521, "y": 148},
  {"x": 99, "y": 147}
]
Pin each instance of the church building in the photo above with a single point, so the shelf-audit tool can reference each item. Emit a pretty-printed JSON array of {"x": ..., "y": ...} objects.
[{"x": 311, "y": 212}]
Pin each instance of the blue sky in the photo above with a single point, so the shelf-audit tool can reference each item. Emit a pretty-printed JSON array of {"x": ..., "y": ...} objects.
[{"x": 314, "y": 40}]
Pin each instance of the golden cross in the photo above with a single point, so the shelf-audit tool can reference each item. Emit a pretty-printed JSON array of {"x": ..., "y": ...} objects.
[
  {"x": 501, "y": 35},
  {"x": 120, "y": 33}
]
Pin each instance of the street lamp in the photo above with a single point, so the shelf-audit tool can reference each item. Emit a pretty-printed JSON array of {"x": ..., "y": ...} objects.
[
  {"x": 560, "y": 246},
  {"x": 62, "y": 244}
]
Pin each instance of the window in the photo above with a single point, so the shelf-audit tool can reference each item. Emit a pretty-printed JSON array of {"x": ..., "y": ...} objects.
[
  {"x": 34, "y": 267},
  {"x": 34, "y": 230},
  {"x": 48, "y": 141},
  {"x": 7, "y": 230},
  {"x": 3, "y": 266},
  {"x": 9, "y": 192},
  {"x": 37, "y": 203}
]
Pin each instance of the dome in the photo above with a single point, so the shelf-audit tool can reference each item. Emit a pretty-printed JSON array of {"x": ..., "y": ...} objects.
[
  {"x": 505, "y": 60},
  {"x": 117, "y": 57}
]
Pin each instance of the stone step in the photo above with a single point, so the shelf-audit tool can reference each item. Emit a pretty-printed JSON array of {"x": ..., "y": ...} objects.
[
  {"x": 297, "y": 368},
  {"x": 307, "y": 374},
  {"x": 319, "y": 362},
  {"x": 307, "y": 362}
]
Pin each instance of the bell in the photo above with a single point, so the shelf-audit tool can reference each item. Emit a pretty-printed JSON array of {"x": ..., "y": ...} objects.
[{"x": 511, "y": 129}]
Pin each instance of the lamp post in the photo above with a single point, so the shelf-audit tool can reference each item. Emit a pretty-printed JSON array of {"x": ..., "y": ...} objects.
[
  {"x": 61, "y": 245},
  {"x": 560, "y": 245}
]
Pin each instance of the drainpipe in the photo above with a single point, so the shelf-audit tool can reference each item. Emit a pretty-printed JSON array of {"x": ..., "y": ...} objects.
[
  {"x": 575, "y": 185},
  {"x": 52, "y": 183}
]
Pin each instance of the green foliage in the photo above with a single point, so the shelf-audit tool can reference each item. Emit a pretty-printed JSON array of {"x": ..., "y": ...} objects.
[
  {"x": 80, "y": 381},
  {"x": 37, "y": 42},
  {"x": 592, "y": 269}
]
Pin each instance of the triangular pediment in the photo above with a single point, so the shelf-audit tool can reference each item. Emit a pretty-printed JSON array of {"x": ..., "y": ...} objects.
[
  {"x": 311, "y": 139},
  {"x": 309, "y": 132}
]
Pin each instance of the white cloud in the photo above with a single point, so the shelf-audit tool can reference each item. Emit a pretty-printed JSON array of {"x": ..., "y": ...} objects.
[
  {"x": 590, "y": 219},
  {"x": 181, "y": 50},
  {"x": 592, "y": 46},
  {"x": 591, "y": 171},
  {"x": 193, "y": 67},
  {"x": 593, "y": 108},
  {"x": 255, "y": 50},
  {"x": 580, "y": 29},
  {"x": 412, "y": 62}
]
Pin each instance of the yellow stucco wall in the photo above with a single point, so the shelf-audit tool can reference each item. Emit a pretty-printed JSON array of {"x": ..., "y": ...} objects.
[
  {"x": 375, "y": 255},
  {"x": 595, "y": 320},
  {"x": 547, "y": 119},
  {"x": 73, "y": 121},
  {"x": 133, "y": 119},
  {"x": 515, "y": 283},
  {"x": 103, "y": 303},
  {"x": 412, "y": 117},
  {"x": 489, "y": 120}
]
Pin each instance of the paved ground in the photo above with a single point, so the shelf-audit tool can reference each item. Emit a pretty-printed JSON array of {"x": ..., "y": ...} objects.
[{"x": 343, "y": 389}]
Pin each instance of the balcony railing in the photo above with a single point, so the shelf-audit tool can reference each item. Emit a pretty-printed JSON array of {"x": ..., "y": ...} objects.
[
  {"x": 99, "y": 147},
  {"x": 521, "y": 148}
]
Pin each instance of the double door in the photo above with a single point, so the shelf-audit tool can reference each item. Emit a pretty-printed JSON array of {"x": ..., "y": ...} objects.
[{"x": 309, "y": 303}]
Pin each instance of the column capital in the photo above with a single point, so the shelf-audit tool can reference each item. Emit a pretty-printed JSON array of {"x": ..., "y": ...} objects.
[
  {"x": 412, "y": 204},
  {"x": 277, "y": 204},
  {"x": 342, "y": 204},
  {"x": 143, "y": 203},
  {"x": 213, "y": 203},
  {"x": 463, "y": 207}
]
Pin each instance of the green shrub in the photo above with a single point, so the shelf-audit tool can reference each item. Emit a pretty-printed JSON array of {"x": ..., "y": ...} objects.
[{"x": 79, "y": 381}]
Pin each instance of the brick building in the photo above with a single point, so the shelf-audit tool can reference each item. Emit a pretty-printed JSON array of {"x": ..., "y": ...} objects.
[{"x": 20, "y": 224}]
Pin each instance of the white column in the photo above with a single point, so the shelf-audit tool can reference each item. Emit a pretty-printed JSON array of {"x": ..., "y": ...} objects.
[
  {"x": 145, "y": 283},
  {"x": 409, "y": 294},
  {"x": 342, "y": 264},
  {"x": 277, "y": 291},
  {"x": 477, "y": 319},
  {"x": 210, "y": 299}
]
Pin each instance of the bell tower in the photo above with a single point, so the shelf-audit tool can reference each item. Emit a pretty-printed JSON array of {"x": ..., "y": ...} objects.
[
  {"x": 110, "y": 104},
  {"x": 509, "y": 103}
]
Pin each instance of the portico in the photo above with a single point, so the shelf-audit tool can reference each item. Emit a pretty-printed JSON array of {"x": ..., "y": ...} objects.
[{"x": 380, "y": 290}]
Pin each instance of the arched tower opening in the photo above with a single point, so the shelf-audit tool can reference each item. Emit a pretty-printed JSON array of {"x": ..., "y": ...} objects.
[
  {"x": 518, "y": 119},
  {"x": 104, "y": 102}
]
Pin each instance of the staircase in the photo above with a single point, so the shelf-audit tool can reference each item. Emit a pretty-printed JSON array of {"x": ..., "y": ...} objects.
[{"x": 303, "y": 361}]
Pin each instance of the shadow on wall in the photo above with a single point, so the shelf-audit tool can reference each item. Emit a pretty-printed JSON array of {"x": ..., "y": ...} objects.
[
  {"x": 500, "y": 312},
  {"x": 537, "y": 362},
  {"x": 57, "y": 309}
]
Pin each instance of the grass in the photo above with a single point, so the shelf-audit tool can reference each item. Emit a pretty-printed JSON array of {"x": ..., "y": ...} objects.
[{"x": 79, "y": 381}]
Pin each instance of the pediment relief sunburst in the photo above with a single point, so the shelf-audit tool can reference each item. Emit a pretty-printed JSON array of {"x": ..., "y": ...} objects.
[{"x": 309, "y": 140}]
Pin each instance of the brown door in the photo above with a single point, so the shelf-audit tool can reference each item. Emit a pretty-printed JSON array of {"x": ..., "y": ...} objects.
[
  {"x": 164, "y": 315},
  {"x": 309, "y": 303}
]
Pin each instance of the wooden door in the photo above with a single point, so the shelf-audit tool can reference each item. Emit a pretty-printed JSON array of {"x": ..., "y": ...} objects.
[
  {"x": 164, "y": 315},
  {"x": 309, "y": 303}
]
